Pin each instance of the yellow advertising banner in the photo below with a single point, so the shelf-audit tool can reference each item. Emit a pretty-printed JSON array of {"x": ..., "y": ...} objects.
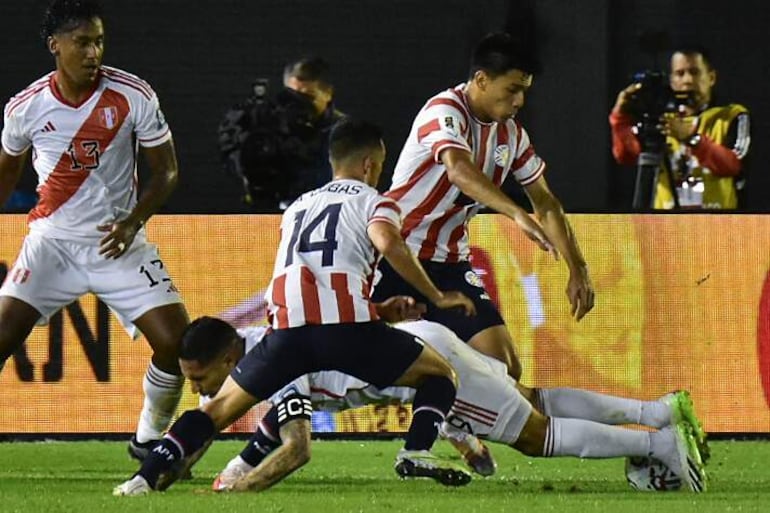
[{"x": 683, "y": 301}]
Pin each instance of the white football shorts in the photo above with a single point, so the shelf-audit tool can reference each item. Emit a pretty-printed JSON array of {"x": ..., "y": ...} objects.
[
  {"x": 51, "y": 273},
  {"x": 488, "y": 404}
]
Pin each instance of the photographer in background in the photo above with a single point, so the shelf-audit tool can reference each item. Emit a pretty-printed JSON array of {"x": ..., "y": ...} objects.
[
  {"x": 704, "y": 146},
  {"x": 278, "y": 146}
]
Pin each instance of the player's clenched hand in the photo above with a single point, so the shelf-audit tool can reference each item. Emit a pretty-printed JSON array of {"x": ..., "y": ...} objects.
[
  {"x": 119, "y": 237},
  {"x": 535, "y": 232},
  {"x": 454, "y": 299},
  {"x": 580, "y": 292},
  {"x": 400, "y": 308}
]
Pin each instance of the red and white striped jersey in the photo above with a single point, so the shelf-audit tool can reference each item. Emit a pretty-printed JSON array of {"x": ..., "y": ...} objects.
[
  {"x": 84, "y": 155},
  {"x": 435, "y": 212},
  {"x": 325, "y": 263}
]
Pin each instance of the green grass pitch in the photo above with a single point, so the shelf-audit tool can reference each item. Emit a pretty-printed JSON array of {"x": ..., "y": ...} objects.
[{"x": 357, "y": 476}]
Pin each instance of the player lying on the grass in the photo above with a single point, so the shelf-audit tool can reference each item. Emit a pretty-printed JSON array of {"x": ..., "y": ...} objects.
[
  {"x": 322, "y": 317},
  {"x": 488, "y": 404}
]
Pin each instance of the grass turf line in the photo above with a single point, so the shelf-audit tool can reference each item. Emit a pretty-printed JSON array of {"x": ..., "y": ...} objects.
[{"x": 346, "y": 476}]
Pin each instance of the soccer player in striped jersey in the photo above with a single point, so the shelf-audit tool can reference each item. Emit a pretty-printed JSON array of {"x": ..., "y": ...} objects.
[
  {"x": 488, "y": 404},
  {"x": 81, "y": 124},
  {"x": 322, "y": 317},
  {"x": 463, "y": 144}
]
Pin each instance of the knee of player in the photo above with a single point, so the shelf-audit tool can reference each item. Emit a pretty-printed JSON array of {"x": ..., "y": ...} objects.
[
  {"x": 453, "y": 377},
  {"x": 531, "y": 440}
]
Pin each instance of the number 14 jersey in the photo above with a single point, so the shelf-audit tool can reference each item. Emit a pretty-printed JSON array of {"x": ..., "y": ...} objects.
[{"x": 325, "y": 263}]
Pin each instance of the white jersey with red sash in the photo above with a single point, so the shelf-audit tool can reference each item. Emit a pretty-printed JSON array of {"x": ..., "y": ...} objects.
[{"x": 84, "y": 155}]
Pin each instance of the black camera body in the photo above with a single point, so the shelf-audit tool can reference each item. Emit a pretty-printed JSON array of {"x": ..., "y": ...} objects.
[
  {"x": 656, "y": 98},
  {"x": 266, "y": 139},
  {"x": 650, "y": 103}
]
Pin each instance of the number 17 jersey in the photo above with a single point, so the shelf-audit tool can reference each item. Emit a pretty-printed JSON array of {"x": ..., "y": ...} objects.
[{"x": 325, "y": 262}]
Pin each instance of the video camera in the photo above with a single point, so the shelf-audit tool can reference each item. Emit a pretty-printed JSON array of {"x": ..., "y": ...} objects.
[
  {"x": 266, "y": 139},
  {"x": 656, "y": 98}
]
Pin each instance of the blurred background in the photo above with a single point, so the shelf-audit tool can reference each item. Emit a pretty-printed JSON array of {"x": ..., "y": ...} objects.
[{"x": 388, "y": 57}]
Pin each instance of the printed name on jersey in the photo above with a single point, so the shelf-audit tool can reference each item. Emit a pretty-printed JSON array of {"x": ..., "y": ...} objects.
[
  {"x": 343, "y": 188},
  {"x": 294, "y": 407},
  {"x": 473, "y": 279},
  {"x": 449, "y": 124},
  {"x": 502, "y": 154}
]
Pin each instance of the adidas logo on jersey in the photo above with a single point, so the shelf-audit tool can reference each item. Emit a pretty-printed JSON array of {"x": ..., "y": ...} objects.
[{"x": 48, "y": 128}]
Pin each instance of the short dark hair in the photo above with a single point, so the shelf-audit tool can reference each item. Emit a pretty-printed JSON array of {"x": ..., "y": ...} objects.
[
  {"x": 695, "y": 49},
  {"x": 66, "y": 15},
  {"x": 310, "y": 69},
  {"x": 349, "y": 136},
  {"x": 499, "y": 53},
  {"x": 206, "y": 338}
]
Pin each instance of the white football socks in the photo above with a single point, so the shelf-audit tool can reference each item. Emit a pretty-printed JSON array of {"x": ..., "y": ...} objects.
[
  {"x": 586, "y": 439},
  {"x": 162, "y": 392},
  {"x": 574, "y": 403}
]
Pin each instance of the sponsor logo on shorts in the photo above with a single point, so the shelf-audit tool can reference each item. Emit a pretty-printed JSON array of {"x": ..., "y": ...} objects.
[{"x": 473, "y": 279}]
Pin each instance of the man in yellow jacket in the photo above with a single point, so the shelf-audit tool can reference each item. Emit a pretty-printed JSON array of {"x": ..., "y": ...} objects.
[{"x": 706, "y": 144}]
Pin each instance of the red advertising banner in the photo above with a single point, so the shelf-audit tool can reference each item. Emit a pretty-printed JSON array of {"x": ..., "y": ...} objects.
[{"x": 683, "y": 301}]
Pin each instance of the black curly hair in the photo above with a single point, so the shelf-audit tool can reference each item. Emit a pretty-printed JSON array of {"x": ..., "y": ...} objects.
[{"x": 65, "y": 15}]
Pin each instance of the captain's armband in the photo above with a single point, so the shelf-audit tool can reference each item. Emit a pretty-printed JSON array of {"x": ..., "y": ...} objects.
[{"x": 293, "y": 407}]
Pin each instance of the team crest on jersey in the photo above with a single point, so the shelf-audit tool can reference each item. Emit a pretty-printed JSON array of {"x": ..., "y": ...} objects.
[
  {"x": 502, "y": 153},
  {"x": 473, "y": 279},
  {"x": 449, "y": 124},
  {"x": 108, "y": 117}
]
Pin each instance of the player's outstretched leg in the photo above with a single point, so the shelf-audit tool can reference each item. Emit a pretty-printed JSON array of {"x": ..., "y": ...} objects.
[
  {"x": 574, "y": 403},
  {"x": 667, "y": 410},
  {"x": 672, "y": 445}
]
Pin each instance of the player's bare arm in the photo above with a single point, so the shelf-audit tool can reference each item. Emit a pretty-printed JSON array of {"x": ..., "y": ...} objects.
[
  {"x": 293, "y": 453},
  {"x": 162, "y": 162},
  {"x": 550, "y": 213},
  {"x": 388, "y": 241},
  {"x": 466, "y": 176},
  {"x": 11, "y": 168}
]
